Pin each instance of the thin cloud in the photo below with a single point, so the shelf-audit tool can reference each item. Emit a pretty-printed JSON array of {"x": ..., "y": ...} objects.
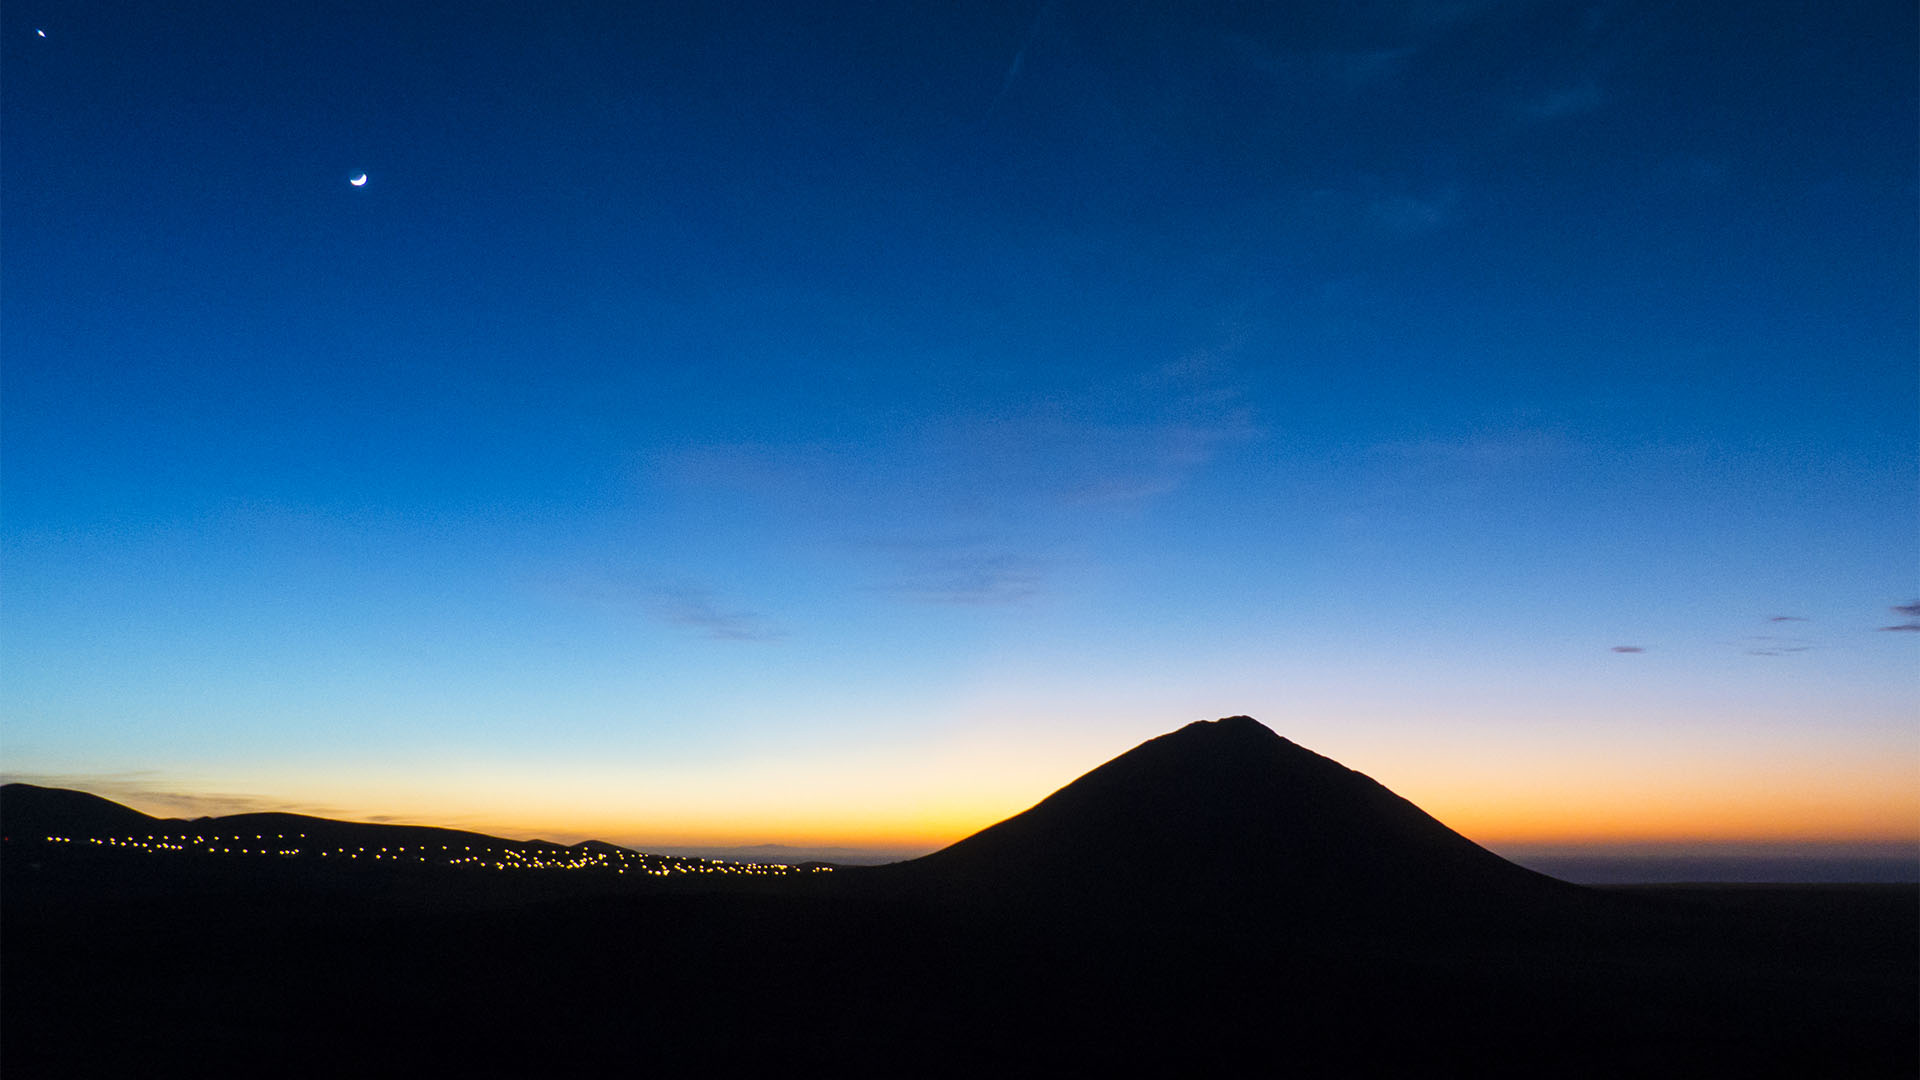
[
  {"x": 1774, "y": 644},
  {"x": 1565, "y": 101},
  {"x": 698, "y": 609},
  {"x": 1147, "y": 462},
  {"x": 768, "y": 472},
  {"x": 1015, "y": 485},
  {"x": 1396, "y": 33},
  {"x": 1911, "y": 611},
  {"x": 689, "y": 606},
  {"x": 1472, "y": 468},
  {"x": 1629, "y": 649},
  {"x": 1020, "y": 56},
  {"x": 1478, "y": 453},
  {"x": 1125, "y": 441},
  {"x": 973, "y": 579},
  {"x": 1404, "y": 213},
  {"x": 1367, "y": 66},
  {"x": 1354, "y": 69},
  {"x": 1194, "y": 409}
]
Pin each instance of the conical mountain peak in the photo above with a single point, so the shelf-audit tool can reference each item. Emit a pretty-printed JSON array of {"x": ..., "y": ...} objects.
[
  {"x": 1225, "y": 814},
  {"x": 1238, "y": 729}
]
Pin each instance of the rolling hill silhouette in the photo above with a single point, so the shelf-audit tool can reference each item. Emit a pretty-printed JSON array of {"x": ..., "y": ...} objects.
[
  {"x": 1227, "y": 818},
  {"x": 28, "y": 809},
  {"x": 83, "y": 847}
]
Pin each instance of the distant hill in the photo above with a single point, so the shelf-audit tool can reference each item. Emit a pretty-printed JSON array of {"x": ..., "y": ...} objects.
[
  {"x": 49, "y": 821},
  {"x": 1226, "y": 818},
  {"x": 29, "y": 810}
]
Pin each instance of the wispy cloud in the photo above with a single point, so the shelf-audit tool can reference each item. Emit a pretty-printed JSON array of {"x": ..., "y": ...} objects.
[
  {"x": 1367, "y": 211},
  {"x": 1125, "y": 441},
  {"x": 1469, "y": 467},
  {"x": 698, "y": 609},
  {"x": 1490, "y": 470},
  {"x": 1020, "y": 55},
  {"x": 1403, "y": 212},
  {"x": 1629, "y": 649},
  {"x": 973, "y": 578},
  {"x": 762, "y": 470},
  {"x": 1361, "y": 44},
  {"x": 1912, "y": 613},
  {"x": 1570, "y": 100},
  {"x": 1353, "y": 69},
  {"x": 1135, "y": 464},
  {"x": 693, "y": 607},
  {"x": 1772, "y": 645},
  {"x": 1363, "y": 67},
  {"x": 1014, "y": 485},
  {"x": 1479, "y": 452},
  {"x": 1184, "y": 413},
  {"x": 1776, "y": 644}
]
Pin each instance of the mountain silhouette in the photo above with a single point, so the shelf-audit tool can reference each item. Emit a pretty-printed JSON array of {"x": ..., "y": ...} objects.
[
  {"x": 1225, "y": 818},
  {"x": 31, "y": 810},
  {"x": 27, "y": 811}
]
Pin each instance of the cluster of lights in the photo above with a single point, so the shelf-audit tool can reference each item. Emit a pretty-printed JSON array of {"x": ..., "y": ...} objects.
[{"x": 608, "y": 859}]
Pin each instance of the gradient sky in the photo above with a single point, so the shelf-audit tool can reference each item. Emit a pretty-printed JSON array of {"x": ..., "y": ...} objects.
[{"x": 843, "y": 424}]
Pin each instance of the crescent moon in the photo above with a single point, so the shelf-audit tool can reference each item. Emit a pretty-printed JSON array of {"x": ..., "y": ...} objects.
[{"x": 359, "y": 181}]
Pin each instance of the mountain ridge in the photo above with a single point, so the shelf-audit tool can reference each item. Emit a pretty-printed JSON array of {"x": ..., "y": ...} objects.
[{"x": 1228, "y": 816}]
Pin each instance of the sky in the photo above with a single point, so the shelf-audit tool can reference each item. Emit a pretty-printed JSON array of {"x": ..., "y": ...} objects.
[{"x": 839, "y": 425}]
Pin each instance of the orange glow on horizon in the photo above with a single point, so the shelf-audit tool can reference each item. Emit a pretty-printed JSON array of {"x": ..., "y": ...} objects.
[
  {"x": 917, "y": 797},
  {"x": 1578, "y": 819},
  {"x": 1490, "y": 824}
]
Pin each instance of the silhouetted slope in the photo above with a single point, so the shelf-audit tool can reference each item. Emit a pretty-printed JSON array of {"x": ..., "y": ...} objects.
[
  {"x": 1226, "y": 817},
  {"x": 26, "y": 810},
  {"x": 74, "y": 848},
  {"x": 331, "y": 831}
]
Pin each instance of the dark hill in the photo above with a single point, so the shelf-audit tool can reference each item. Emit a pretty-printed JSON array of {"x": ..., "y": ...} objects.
[
  {"x": 1225, "y": 819},
  {"x": 331, "y": 831},
  {"x": 29, "y": 810}
]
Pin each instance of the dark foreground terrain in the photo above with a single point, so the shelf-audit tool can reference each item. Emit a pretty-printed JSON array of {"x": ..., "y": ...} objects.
[{"x": 120, "y": 959}]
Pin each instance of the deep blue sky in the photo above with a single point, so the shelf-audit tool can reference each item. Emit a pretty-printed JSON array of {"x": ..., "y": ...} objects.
[{"x": 846, "y": 422}]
